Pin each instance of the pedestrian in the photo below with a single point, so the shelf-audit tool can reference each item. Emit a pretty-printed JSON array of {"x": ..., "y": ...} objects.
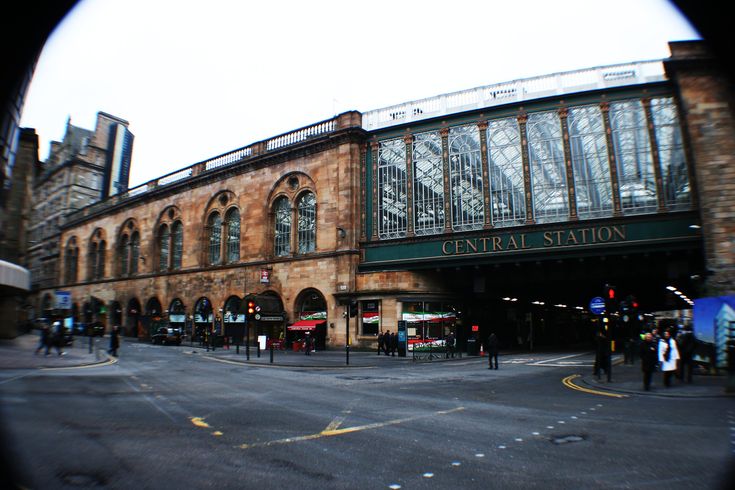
[
  {"x": 44, "y": 339},
  {"x": 649, "y": 359},
  {"x": 307, "y": 344},
  {"x": 686, "y": 343},
  {"x": 668, "y": 356},
  {"x": 393, "y": 344},
  {"x": 386, "y": 342},
  {"x": 602, "y": 354},
  {"x": 492, "y": 350},
  {"x": 449, "y": 342},
  {"x": 381, "y": 341},
  {"x": 58, "y": 338},
  {"x": 114, "y": 341}
]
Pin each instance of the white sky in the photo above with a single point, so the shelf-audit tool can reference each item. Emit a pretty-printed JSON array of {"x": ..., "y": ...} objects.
[{"x": 196, "y": 79}]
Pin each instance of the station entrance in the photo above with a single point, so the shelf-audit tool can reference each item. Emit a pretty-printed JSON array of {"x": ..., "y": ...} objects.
[{"x": 536, "y": 305}]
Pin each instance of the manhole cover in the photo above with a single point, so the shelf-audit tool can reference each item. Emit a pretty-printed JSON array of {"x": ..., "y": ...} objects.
[
  {"x": 566, "y": 439},
  {"x": 83, "y": 480}
]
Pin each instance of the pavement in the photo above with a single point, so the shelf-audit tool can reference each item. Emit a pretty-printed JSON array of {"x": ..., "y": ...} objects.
[{"x": 626, "y": 379}]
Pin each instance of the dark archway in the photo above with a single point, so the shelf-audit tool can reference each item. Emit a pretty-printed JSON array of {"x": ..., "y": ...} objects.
[
  {"x": 203, "y": 318},
  {"x": 311, "y": 307},
  {"x": 115, "y": 313},
  {"x": 132, "y": 324}
]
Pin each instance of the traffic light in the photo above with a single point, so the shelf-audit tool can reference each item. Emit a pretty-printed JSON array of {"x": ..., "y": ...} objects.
[
  {"x": 610, "y": 292},
  {"x": 611, "y": 305},
  {"x": 250, "y": 308},
  {"x": 353, "y": 308}
]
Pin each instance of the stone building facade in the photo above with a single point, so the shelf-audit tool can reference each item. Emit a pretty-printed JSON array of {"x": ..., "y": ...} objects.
[
  {"x": 70, "y": 179},
  {"x": 615, "y": 178}
]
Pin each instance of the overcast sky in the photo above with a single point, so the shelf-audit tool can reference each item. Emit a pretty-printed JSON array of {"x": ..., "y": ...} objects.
[{"x": 199, "y": 78}]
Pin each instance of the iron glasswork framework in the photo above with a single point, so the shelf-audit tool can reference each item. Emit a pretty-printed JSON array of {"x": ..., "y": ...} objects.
[
  {"x": 282, "y": 228},
  {"x": 214, "y": 227},
  {"x": 586, "y": 161},
  {"x": 306, "y": 209}
]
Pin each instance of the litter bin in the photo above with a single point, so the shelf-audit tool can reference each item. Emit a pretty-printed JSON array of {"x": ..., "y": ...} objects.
[{"x": 472, "y": 347}]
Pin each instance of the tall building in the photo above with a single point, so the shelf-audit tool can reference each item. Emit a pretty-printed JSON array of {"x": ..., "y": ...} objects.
[
  {"x": 72, "y": 177},
  {"x": 506, "y": 207}
]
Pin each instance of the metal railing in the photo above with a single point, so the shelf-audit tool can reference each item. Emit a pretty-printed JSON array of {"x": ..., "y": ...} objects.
[{"x": 516, "y": 91}]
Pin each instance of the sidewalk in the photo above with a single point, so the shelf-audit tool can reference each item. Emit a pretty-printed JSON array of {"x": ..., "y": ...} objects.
[
  {"x": 324, "y": 359},
  {"x": 19, "y": 353},
  {"x": 628, "y": 379}
]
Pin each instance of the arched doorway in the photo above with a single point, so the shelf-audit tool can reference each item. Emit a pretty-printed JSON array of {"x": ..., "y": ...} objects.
[
  {"x": 311, "y": 314},
  {"x": 232, "y": 318},
  {"x": 132, "y": 318},
  {"x": 153, "y": 311},
  {"x": 177, "y": 314},
  {"x": 203, "y": 318}
]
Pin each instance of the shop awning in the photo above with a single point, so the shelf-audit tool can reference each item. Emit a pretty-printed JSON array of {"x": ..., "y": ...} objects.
[{"x": 302, "y": 325}]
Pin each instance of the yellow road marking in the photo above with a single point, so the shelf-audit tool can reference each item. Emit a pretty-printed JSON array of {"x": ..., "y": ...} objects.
[
  {"x": 347, "y": 430},
  {"x": 334, "y": 424},
  {"x": 199, "y": 422},
  {"x": 569, "y": 384}
]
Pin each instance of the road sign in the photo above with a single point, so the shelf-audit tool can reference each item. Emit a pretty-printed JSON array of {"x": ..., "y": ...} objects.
[
  {"x": 63, "y": 300},
  {"x": 597, "y": 305}
]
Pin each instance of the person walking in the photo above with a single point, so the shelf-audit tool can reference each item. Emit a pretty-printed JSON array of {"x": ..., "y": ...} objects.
[
  {"x": 449, "y": 342},
  {"x": 393, "y": 344},
  {"x": 44, "y": 339},
  {"x": 492, "y": 350},
  {"x": 602, "y": 354},
  {"x": 307, "y": 344},
  {"x": 668, "y": 355},
  {"x": 649, "y": 359},
  {"x": 386, "y": 342},
  {"x": 381, "y": 342},
  {"x": 57, "y": 339},
  {"x": 114, "y": 341}
]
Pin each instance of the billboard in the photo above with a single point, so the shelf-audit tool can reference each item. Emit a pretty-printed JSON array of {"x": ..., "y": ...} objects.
[{"x": 714, "y": 324}]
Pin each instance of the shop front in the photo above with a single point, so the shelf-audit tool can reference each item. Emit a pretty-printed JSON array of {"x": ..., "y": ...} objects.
[{"x": 296, "y": 334}]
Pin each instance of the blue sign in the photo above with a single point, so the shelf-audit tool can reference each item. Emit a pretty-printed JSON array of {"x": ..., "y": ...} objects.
[{"x": 597, "y": 305}]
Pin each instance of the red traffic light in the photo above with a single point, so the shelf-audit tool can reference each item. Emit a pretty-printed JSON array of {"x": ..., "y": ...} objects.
[
  {"x": 611, "y": 293},
  {"x": 251, "y": 307}
]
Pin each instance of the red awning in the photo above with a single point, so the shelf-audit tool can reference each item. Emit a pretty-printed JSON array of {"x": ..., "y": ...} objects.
[{"x": 302, "y": 325}]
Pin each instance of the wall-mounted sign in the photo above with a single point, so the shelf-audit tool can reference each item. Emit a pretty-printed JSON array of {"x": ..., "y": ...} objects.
[{"x": 265, "y": 276}]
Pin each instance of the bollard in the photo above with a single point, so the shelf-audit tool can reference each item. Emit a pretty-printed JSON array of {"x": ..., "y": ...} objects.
[
  {"x": 347, "y": 359},
  {"x": 258, "y": 346},
  {"x": 271, "y": 353},
  {"x": 90, "y": 344}
]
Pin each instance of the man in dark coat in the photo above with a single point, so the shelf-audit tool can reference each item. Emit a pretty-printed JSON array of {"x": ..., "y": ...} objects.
[
  {"x": 449, "y": 342},
  {"x": 381, "y": 342},
  {"x": 687, "y": 343},
  {"x": 492, "y": 350},
  {"x": 114, "y": 341},
  {"x": 393, "y": 343},
  {"x": 386, "y": 342},
  {"x": 649, "y": 359}
]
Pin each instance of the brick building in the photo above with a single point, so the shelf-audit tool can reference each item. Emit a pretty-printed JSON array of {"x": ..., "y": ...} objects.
[{"x": 501, "y": 208}]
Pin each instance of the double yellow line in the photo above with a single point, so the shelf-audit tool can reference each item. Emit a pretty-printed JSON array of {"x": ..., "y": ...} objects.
[{"x": 569, "y": 384}]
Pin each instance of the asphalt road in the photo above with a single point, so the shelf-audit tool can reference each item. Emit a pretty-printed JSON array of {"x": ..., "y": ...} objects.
[{"x": 175, "y": 417}]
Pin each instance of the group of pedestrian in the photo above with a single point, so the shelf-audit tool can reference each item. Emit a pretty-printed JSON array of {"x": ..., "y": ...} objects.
[
  {"x": 388, "y": 343},
  {"x": 51, "y": 337},
  {"x": 673, "y": 356}
]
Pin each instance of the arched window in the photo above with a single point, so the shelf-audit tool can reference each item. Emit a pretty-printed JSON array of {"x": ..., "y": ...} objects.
[
  {"x": 124, "y": 255},
  {"x": 233, "y": 235},
  {"x": 282, "y": 227},
  {"x": 100, "y": 269},
  {"x": 214, "y": 226},
  {"x": 306, "y": 207},
  {"x": 71, "y": 256},
  {"x": 177, "y": 241},
  {"x": 164, "y": 238},
  {"x": 134, "y": 252},
  {"x": 92, "y": 261}
]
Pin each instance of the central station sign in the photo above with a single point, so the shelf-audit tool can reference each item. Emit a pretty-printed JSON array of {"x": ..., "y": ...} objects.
[
  {"x": 524, "y": 241},
  {"x": 669, "y": 231}
]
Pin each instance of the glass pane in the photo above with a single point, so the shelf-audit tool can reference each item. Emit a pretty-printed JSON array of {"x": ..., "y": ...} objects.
[
  {"x": 307, "y": 223},
  {"x": 92, "y": 261},
  {"x": 465, "y": 178},
  {"x": 215, "y": 238},
  {"x": 633, "y": 156},
  {"x": 233, "y": 236},
  {"x": 548, "y": 173},
  {"x": 392, "y": 220},
  {"x": 505, "y": 164},
  {"x": 101, "y": 251},
  {"x": 282, "y": 238},
  {"x": 671, "y": 153},
  {"x": 164, "y": 236},
  {"x": 124, "y": 255},
  {"x": 428, "y": 187},
  {"x": 134, "y": 252},
  {"x": 589, "y": 158},
  {"x": 177, "y": 231}
]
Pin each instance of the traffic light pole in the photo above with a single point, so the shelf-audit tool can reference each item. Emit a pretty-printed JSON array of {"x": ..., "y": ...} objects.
[{"x": 347, "y": 334}]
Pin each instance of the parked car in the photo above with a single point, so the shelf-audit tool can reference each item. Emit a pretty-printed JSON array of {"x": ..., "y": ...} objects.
[
  {"x": 94, "y": 329},
  {"x": 163, "y": 333}
]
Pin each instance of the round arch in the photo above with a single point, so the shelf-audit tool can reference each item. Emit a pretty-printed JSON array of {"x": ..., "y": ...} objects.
[
  {"x": 311, "y": 313},
  {"x": 132, "y": 318},
  {"x": 203, "y": 317},
  {"x": 115, "y": 313}
]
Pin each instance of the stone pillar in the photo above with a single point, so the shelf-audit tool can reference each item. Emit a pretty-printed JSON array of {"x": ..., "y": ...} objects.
[
  {"x": 611, "y": 162},
  {"x": 569, "y": 168},
  {"x": 654, "y": 153},
  {"x": 705, "y": 97},
  {"x": 408, "y": 140},
  {"x": 522, "y": 122},
  {"x": 444, "y": 133},
  {"x": 482, "y": 126}
]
